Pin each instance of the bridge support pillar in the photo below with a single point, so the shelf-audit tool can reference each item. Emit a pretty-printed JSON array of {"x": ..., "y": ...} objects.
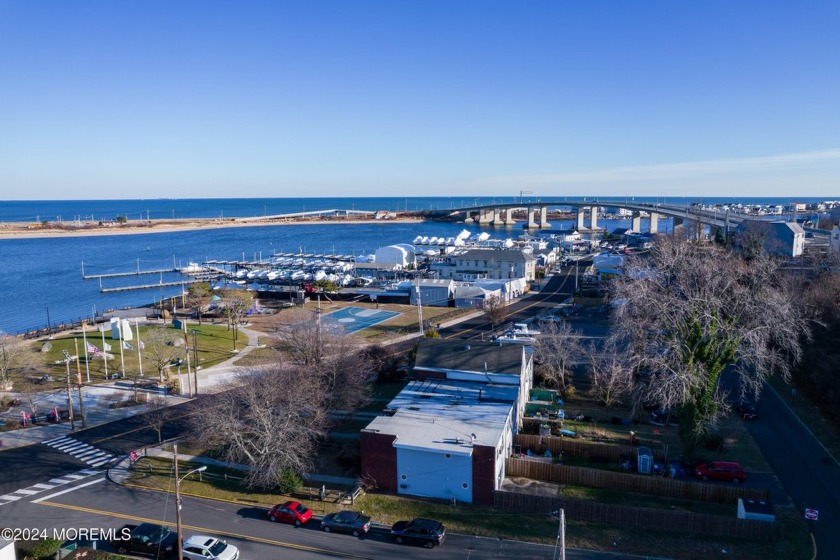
[
  {"x": 636, "y": 224},
  {"x": 468, "y": 219},
  {"x": 543, "y": 218},
  {"x": 486, "y": 216},
  {"x": 593, "y": 218},
  {"x": 581, "y": 225},
  {"x": 532, "y": 223},
  {"x": 654, "y": 222},
  {"x": 509, "y": 217},
  {"x": 498, "y": 217},
  {"x": 678, "y": 225}
]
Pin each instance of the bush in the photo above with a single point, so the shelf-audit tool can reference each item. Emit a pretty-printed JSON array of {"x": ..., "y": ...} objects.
[
  {"x": 38, "y": 550},
  {"x": 289, "y": 482}
]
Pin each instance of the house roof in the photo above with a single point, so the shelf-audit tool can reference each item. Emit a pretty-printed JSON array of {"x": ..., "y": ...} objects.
[
  {"x": 445, "y": 416},
  {"x": 511, "y": 255},
  {"x": 473, "y": 356}
]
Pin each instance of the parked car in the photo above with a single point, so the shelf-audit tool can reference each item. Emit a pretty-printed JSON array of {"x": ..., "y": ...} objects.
[
  {"x": 290, "y": 512},
  {"x": 148, "y": 539},
  {"x": 352, "y": 522},
  {"x": 720, "y": 470},
  {"x": 200, "y": 547},
  {"x": 427, "y": 532},
  {"x": 746, "y": 409}
]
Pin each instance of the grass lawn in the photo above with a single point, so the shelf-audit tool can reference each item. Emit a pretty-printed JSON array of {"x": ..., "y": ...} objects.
[{"x": 214, "y": 342}]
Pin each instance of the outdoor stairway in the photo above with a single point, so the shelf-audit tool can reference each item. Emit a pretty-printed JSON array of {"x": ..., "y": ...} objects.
[{"x": 82, "y": 451}]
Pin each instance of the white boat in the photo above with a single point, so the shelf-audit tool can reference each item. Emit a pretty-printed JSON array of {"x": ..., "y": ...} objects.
[
  {"x": 418, "y": 240},
  {"x": 192, "y": 268}
]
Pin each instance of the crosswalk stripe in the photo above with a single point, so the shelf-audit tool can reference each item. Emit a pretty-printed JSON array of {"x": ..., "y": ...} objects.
[
  {"x": 10, "y": 498},
  {"x": 43, "y": 486},
  {"x": 26, "y": 492}
]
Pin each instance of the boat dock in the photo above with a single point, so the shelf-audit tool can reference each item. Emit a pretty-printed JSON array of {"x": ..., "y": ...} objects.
[
  {"x": 132, "y": 273},
  {"x": 149, "y": 286}
]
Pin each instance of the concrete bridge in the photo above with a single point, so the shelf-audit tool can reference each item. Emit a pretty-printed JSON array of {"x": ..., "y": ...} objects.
[{"x": 587, "y": 214}]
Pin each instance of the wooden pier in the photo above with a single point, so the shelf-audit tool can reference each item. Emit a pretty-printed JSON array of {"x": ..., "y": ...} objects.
[
  {"x": 149, "y": 286},
  {"x": 132, "y": 273}
]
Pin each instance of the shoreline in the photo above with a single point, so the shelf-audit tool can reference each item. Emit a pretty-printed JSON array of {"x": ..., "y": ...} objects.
[{"x": 13, "y": 231}]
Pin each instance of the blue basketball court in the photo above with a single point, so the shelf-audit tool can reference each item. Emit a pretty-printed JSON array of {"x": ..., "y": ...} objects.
[{"x": 353, "y": 319}]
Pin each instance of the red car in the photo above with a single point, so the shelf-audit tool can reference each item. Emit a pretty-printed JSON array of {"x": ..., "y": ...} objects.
[
  {"x": 290, "y": 512},
  {"x": 720, "y": 470}
]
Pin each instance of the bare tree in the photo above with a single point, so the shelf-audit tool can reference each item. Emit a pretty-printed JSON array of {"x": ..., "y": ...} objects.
[
  {"x": 610, "y": 374},
  {"x": 157, "y": 415},
  {"x": 495, "y": 308},
  {"x": 271, "y": 421},
  {"x": 235, "y": 305},
  {"x": 16, "y": 357},
  {"x": 333, "y": 356},
  {"x": 161, "y": 347},
  {"x": 556, "y": 350},
  {"x": 199, "y": 295},
  {"x": 688, "y": 312}
]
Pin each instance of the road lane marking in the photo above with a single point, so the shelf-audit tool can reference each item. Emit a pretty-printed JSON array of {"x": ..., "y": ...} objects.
[
  {"x": 39, "y": 500},
  {"x": 206, "y": 530}
]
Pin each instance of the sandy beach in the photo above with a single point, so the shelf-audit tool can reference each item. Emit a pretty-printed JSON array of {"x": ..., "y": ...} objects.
[{"x": 29, "y": 231}]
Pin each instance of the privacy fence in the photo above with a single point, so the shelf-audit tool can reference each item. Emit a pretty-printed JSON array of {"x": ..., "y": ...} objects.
[
  {"x": 626, "y": 482},
  {"x": 639, "y": 518}
]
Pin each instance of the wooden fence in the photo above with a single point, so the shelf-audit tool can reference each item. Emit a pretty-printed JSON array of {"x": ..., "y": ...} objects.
[
  {"x": 639, "y": 518},
  {"x": 605, "y": 452},
  {"x": 643, "y": 484}
]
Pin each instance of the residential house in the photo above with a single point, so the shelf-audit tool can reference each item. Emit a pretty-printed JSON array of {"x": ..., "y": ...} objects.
[
  {"x": 487, "y": 263},
  {"x": 777, "y": 238}
]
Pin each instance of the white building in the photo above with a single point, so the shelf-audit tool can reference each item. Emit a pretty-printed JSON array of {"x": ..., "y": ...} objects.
[{"x": 449, "y": 432}]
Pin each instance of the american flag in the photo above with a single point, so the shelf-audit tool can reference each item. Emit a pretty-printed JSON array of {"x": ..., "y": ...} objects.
[{"x": 92, "y": 349}]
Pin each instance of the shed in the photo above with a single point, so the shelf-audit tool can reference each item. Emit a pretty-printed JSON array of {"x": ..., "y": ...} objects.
[
  {"x": 645, "y": 459},
  {"x": 758, "y": 510}
]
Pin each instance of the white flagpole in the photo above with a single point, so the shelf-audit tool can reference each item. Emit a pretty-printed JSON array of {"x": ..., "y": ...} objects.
[
  {"x": 87, "y": 360},
  {"x": 139, "y": 346},
  {"x": 187, "y": 350},
  {"x": 122, "y": 356},
  {"x": 104, "y": 353}
]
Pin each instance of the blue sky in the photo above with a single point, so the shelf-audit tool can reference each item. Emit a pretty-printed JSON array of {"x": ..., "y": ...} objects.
[{"x": 161, "y": 98}]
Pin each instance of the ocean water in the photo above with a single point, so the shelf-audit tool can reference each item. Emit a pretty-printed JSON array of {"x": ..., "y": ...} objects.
[{"x": 44, "y": 276}]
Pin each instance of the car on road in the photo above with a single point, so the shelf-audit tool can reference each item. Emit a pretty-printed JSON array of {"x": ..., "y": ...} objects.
[
  {"x": 290, "y": 512},
  {"x": 353, "y": 522},
  {"x": 746, "y": 409},
  {"x": 720, "y": 470},
  {"x": 148, "y": 539},
  {"x": 428, "y": 532},
  {"x": 201, "y": 547}
]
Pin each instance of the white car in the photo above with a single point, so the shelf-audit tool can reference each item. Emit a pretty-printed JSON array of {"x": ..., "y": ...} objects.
[{"x": 201, "y": 547}]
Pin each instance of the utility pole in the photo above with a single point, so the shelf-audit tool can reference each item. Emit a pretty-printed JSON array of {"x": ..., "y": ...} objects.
[
  {"x": 561, "y": 534},
  {"x": 419, "y": 308},
  {"x": 195, "y": 355}
]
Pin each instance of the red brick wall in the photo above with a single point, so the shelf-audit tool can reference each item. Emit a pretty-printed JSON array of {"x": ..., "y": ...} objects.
[
  {"x": 379, "y": 460},
  {"x": 484, "y": 474},
  {"x": 422, "y": 375}
]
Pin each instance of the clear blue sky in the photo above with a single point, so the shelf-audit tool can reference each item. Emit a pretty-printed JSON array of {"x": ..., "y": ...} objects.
[{"x": 161, "y": 98}]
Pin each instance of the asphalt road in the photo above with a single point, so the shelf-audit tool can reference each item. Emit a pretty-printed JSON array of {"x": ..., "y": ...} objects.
[
  {"x": 98, "y": 503},
  {"x": 810, "y": 476}
]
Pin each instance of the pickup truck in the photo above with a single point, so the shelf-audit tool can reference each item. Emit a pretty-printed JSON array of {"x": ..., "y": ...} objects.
[{"x": 148, "y": 539}]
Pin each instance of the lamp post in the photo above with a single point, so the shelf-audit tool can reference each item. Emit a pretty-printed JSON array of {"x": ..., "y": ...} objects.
[{"x": 178, "y": 499}]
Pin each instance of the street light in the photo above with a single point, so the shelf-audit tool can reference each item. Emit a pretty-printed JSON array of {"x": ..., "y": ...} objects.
[
  {"x": 560, "y": 545},
  {"x": 178, "y": 500}
]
